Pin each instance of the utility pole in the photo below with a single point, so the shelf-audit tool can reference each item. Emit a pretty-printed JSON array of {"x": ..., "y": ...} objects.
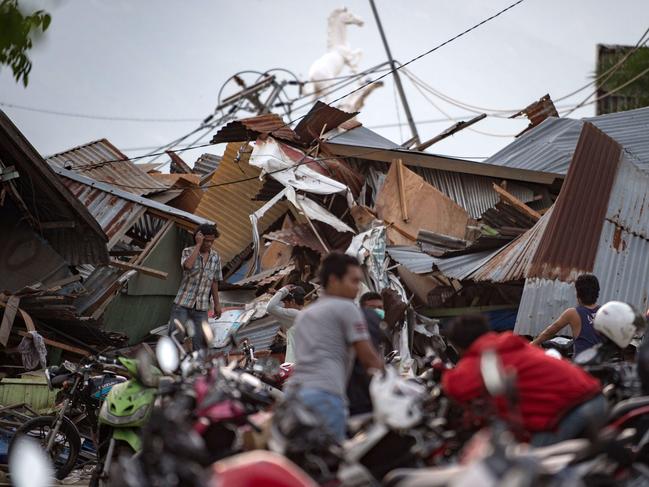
[{"x": 397, "y": 79}]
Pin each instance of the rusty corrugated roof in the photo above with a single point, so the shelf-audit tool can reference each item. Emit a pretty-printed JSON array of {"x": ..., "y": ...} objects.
[
  {"x": 512, "y": 262},
  {"x": 581, "y": 208},
  {"x": 320, "y": 119},
  {"x": 248, "y": 129},
  {"x": 231, "y": 205},
  {"x": 102, "y": 161}
]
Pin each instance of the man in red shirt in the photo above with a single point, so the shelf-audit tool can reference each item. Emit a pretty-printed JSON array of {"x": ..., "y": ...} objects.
[{"x": 557, "y": 399}]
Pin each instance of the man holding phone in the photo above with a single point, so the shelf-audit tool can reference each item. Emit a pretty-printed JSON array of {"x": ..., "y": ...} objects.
[{"x": 201, "y": 274}]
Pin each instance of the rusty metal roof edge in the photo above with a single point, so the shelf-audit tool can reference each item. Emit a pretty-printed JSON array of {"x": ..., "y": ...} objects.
[
  {"x": 444, "y": 162},
  {"x": 154, "y": 205}
]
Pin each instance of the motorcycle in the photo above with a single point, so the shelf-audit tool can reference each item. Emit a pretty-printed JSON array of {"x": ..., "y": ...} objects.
[
  {"x": 125, "y": 411},
  {"x": 84, "y": 388}
]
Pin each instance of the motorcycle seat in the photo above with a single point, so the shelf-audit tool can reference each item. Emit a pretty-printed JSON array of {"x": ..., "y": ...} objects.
[
  {"x": 58, "y": 380},
  {"x": 628, "y": 405}
]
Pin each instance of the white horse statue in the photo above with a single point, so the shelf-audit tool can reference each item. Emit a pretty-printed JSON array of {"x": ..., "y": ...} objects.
[{"x": 338, "y": 54}]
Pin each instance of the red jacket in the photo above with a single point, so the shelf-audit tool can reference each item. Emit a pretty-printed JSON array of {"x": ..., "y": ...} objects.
[{"x": 547, "y": 387}]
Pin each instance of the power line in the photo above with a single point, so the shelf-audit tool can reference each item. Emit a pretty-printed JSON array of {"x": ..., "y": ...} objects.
[
  {"x": 98, "y": 117},
  {"x": 368, "y": 83}
]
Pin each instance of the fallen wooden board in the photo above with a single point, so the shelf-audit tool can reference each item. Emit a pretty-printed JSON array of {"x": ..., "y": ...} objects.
[
  {"x": 516, "y": 203},
  {"x": 8, "y": 319},
  {"x": 147, "y": 271},
  {"x": 62, "y": 346}
]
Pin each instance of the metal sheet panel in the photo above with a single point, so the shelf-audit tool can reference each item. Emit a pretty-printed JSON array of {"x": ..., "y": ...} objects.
[
  {"x": 102, "y": 161},
  {"x": 260, "y": 332},
  {"x": 231, "y": 205},
  {"x": 542, "y": 302},
  {"x": 462, "y": 266},
  {"x": 512, "y": 262},
  {"x": 550, "y": 146},
  {"x": 473, "y": 193},
  {"x": 579, "y": 212},
  {"x": 206, "y": 163},
  {"x": 321, "y": 118},
  {"x": 412, "y": 258},
  {"x": 248, "y": 129}
]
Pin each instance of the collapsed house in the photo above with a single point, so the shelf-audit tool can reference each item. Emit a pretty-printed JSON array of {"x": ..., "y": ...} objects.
[{"x": 439, "y": 236}]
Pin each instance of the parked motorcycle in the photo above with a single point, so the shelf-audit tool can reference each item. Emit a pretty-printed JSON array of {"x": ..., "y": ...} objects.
[{"x": 84, "y": 388}]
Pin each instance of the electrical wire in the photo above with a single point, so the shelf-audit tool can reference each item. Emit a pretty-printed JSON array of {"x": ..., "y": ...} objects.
[{"x": 366, "y": 84}]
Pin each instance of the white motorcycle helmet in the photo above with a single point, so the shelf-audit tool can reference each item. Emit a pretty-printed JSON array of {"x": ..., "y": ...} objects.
[{"x": 618, "y": 322}]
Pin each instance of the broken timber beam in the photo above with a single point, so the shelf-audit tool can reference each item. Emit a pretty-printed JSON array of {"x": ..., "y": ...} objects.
[
  {"x": 402, "y": 190},
  {"x": 450, "y": 131},
  {"x": 62, "y": 346},
  {"x": 516, "y": 203},
  {"x": 147, "y": 271}
]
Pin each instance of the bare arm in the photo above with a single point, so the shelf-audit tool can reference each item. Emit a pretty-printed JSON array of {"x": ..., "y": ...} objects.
[
  {"x": 368, "y": 356},
  {"x": 215, "y": 296},
  {"x": 189, "y": 262},
  {"x": 564, "y": 320}
]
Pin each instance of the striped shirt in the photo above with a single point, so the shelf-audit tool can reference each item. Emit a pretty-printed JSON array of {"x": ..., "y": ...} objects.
[{"x": 196, "y": 283}]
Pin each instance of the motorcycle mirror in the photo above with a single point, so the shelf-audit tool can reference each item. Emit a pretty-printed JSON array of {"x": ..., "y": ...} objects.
[
  {"x": 492, "y": 374},
  {"x": 179, "y": 326},
  {"x": 167, "y": 355},
  {"x": 29, "y": 465},
  {"x": 145, "y": 369},
  {"x": 208, "y": 333}
]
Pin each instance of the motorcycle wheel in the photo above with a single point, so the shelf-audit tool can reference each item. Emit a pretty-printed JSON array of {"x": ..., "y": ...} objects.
[
  {"x": 114, "y": 477},
  {"x": 66, "y": 447}
]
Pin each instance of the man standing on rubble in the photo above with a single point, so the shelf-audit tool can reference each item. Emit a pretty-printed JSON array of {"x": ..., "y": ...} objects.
[
  {"x": 285, "y": 306},
  {"x": 328, "y": 334},
  {"x": 579, "y": 318},
  {"x": 201, "y": 274}
]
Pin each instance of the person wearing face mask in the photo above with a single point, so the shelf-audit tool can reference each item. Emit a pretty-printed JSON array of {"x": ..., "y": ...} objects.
[{"x": 358, "y": 387}]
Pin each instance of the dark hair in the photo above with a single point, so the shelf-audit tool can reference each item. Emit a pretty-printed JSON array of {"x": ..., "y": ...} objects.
[
  {"x": 297, "y": 294},
  {"x": 335, "y": 264},
  {"x": 371, "y": 296},
  {"x": 207, "y": 229},
  {"x": 465, "y": 330},
  {"x": 587, "y": 287}
]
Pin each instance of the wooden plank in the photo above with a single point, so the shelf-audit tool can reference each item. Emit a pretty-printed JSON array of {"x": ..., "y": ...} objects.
[
  {"x": 8, "y": 319},
  {"x": 402, "y": 190},
  {"x": 147, "y": 271},
  {"x": 56, "y": 285},
  {"x": 57, "y": 344},
  {"x": 29, "y": 323},
  {"x": 454, "y": 129},
  {"x": 516, "y": 203}
]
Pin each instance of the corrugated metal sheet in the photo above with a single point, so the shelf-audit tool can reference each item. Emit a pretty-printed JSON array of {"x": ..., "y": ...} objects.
[
  {"x": 581, "y": 208},
  {"x": 512, "y": 262},
  {"x": 550, "y": 146},
  {"x": 230, "y": 206},
  {"x": 267, "y": 277},
  {"x": 321, "y": 118},
  {"x": 92, "y": 159},
  {"x": 206, "y": 163},
  {"x": 261, "y": 332},
  {"x": 248, "y": 129},
  {"x": 114, "y": 214},
  {"x": 473, "y": 193},
  {"x": 462, "y": 266},
  {"x": 622, "y": 252},
  {"x": 95, "y": 188},
  {"x": 412, "y": 258}
]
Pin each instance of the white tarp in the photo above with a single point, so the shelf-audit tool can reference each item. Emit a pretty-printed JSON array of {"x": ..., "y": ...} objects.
[
  {"x": 271, "y": 158},
  {"x": 314, "y": 211}
]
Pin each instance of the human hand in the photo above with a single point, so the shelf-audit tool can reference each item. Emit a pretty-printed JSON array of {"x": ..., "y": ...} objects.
[
  {"x": 217, "y": 311},
  {"x": 199, "y": 237}
]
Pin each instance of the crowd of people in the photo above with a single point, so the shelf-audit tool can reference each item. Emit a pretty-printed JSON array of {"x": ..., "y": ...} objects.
[{"x": 337, "y": 344}]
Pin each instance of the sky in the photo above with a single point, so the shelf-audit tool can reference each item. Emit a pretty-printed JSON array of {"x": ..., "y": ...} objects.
[{"x": 168, "y": 59}]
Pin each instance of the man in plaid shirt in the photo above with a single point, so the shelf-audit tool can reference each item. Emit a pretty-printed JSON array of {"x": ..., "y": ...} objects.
[{"x": 201, "y": 275}]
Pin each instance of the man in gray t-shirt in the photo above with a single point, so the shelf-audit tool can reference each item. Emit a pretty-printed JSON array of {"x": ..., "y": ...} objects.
[{"x": 329, "y": 334}]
